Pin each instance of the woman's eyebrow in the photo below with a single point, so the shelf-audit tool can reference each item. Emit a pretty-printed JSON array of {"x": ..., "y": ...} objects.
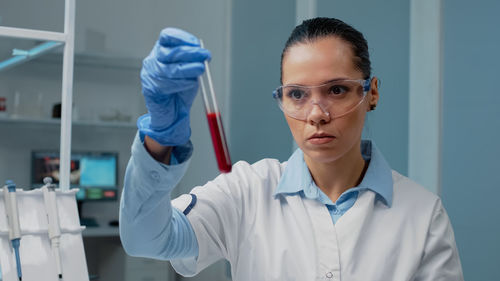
[
  {"x": 322, "y": 83},
  {"x": 336, "y": 79}
]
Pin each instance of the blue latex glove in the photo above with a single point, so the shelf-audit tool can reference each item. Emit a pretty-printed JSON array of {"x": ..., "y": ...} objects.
[{"x": 169, "y": 78}]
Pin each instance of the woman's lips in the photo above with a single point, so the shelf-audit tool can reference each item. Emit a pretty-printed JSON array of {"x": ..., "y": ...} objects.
[{"x": 320, "y": 138}]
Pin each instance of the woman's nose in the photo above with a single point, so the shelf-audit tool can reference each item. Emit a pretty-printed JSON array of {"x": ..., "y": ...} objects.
[{"x": 318, "y": 114}]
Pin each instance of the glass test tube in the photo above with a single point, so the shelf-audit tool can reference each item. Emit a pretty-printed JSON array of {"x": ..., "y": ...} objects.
[{"x": 215, "y": 121}]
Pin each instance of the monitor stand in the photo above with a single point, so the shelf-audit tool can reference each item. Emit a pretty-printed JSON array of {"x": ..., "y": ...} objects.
[{"x": 88, "y": 222}]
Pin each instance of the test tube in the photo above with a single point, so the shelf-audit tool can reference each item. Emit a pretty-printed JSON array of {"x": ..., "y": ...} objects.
[{"x": 215, "y": 121}]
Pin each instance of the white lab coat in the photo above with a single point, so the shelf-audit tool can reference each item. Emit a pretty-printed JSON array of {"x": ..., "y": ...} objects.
[{"x": 283, "y": 237}]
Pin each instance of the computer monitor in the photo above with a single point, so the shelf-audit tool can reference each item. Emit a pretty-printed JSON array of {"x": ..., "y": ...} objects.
[{"x": 94, "y": 173}]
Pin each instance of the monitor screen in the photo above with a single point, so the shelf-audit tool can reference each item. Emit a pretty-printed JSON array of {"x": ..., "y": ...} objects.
[{"x": 94, "y": 173}]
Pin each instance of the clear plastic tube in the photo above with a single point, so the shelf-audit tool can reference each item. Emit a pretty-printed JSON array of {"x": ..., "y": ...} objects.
[{"x": 215, "y": 121}]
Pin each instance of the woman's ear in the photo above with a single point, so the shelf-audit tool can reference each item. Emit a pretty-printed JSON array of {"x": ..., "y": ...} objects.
[{"x": 373, "y": 94}]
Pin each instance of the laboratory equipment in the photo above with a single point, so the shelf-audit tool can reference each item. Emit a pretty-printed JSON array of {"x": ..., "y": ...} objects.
[
  {"x": 16, "y": 109},
  {"x": 95, "y": 174},
  {"x": 9, "y": 193},
  {"x": 36, "y": 252},
  {"x": 49, "y": 197},
  {"x": 215, "y": 121}
]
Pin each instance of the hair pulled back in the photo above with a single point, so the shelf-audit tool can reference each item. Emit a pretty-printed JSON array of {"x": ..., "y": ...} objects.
[{"x": 316, "y": 28}]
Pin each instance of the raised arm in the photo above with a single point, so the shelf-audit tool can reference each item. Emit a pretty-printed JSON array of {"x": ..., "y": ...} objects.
[{"x": 149, "y": 226}]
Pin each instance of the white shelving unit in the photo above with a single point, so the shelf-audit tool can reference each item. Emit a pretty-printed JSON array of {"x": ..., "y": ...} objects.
[
  {"x": 57, "y": 122},
  {"x": 67, "y": 38},
  {"x": 99, "y": 60}
]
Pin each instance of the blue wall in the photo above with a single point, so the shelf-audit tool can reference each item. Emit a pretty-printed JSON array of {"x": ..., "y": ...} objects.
[
  {"x": 385, "y": 25},
  {"x": 471, "y": 130},
  {"x": 258, "y": 127},
  {"x": 260, "y": 29}
]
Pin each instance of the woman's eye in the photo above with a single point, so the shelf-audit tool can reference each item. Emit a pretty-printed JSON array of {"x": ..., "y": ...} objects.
[
  {"x": 296, "y": 94},
  {"x": 338, "y": 90}
]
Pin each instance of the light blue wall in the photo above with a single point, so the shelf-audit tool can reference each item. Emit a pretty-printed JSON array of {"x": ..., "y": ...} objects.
[
  {"x": 259, "y": 31},
  {"x": 257, "y": 42},
  {"x": 471, "y": 116},
  {"x": 385, "y": 25}
]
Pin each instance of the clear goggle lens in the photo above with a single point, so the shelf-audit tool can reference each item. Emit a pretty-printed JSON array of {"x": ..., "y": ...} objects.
[{"x": 335, "y": 98}]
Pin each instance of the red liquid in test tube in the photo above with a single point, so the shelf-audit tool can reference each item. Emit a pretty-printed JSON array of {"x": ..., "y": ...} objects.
[
  {"x": 220, "y": 145},
  {"x": 215, "y": 121}
]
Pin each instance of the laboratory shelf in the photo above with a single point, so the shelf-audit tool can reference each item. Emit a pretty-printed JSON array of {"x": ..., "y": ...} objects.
[
  {"x": 57, "y": 122},
  {"x": 93, "y": 60}
]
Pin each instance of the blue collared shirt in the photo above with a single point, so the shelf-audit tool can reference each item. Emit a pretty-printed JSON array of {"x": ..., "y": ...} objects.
[{"x": 297, "y": 180}]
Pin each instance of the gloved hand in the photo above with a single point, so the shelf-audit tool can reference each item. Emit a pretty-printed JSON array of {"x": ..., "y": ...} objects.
[{"x": 169, "y": 78}]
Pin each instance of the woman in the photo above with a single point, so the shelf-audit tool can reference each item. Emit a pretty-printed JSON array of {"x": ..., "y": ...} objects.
[{"x": 333, "y": 211}]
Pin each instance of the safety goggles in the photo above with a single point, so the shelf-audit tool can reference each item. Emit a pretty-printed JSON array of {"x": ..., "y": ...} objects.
[{"x": 335, "y": 98}]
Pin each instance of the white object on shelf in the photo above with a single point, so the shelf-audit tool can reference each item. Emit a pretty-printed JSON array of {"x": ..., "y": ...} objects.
[
  {"x": 26, "y": 106},
  {"x": 16, "y": 110},
  {"x": 36, "y": 255}
]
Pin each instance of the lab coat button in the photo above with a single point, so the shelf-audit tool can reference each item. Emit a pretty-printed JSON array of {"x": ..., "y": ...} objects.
[
  {"x": 155, "y": 175},
  {"x": 329, "y": 275}
]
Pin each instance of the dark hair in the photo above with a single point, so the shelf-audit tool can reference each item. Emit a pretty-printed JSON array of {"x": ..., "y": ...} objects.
[{"x": 316, "y": 28}]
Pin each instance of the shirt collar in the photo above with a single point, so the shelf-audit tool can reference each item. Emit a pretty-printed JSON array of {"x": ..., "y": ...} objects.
[{"x": 378, "y": 176}]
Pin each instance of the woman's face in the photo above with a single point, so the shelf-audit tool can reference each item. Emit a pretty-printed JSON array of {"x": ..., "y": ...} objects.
[{"x": 321, "y": 138}]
